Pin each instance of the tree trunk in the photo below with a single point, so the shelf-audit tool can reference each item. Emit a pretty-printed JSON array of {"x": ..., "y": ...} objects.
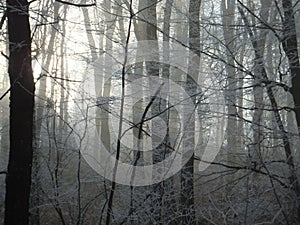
[
  {"x": 187, "y": 173},
  {"x": 258, "y": 90},
  {"x": 152, "y": 69},
  {"x": 18, "y": 180},
  {"x": 289, "y": 43},
  {"x": 229, "y": 38},
  {"x": 169, "y": 199}
]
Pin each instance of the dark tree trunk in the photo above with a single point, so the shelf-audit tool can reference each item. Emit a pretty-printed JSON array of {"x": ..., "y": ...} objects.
[
  {"x": 18, "y": 179},
  {"x": 289, "y": 43}
]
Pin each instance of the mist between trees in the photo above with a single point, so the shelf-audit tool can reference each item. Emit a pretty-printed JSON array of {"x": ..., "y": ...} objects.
[{"x": 149, "y": 112}]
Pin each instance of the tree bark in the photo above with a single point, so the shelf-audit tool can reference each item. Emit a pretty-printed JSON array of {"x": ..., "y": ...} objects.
[
  {"x": 228, "y": 20},
  {"x": 290, "y": 46},
  {"x": 258, "y": 90},
  {"x": 289, "y": 43},
  {"x": 152, "y": 69},
  {"x": 169, "y": 199},
  {"x": 187, "y": 173},
  {"x": 18, "y": 179}
]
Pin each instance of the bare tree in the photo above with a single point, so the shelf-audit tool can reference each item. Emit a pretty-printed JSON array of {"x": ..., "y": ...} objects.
[{"x": 18, "y": 179}]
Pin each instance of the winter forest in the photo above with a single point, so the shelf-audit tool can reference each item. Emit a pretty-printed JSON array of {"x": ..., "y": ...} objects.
[{"x": 148, "y": 112}]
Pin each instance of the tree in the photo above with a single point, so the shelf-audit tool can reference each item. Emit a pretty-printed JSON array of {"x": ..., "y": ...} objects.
[
  {"x": 228, "y": 20},
  {"x": 263, "y": 78},
  {"x": 290, "y": 46},
  {"x": 18, "y": 180},
  {"x": 187, "y": 173}
]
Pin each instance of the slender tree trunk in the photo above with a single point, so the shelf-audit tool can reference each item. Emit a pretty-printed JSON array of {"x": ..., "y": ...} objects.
[
  {"x": 240, "y": 98},
  {"x": 169, "y": 213},
  {"x": 258, "y": 90},
  {"x": 18, "y": 180},
  {"x": 110, "y": 29},
  {"x": 187, "y": 173},
  {"x": 228, "y": 19},
  {"x": 152, "y": 70}
]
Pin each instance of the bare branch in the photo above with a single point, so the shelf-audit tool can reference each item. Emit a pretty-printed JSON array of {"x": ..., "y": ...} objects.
[
  {"x": 77, "y": 5},
  {"x": 5, "y": 56},
  {"x": 5, "y": 93},
  {"x": 3, "y": 20}
]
